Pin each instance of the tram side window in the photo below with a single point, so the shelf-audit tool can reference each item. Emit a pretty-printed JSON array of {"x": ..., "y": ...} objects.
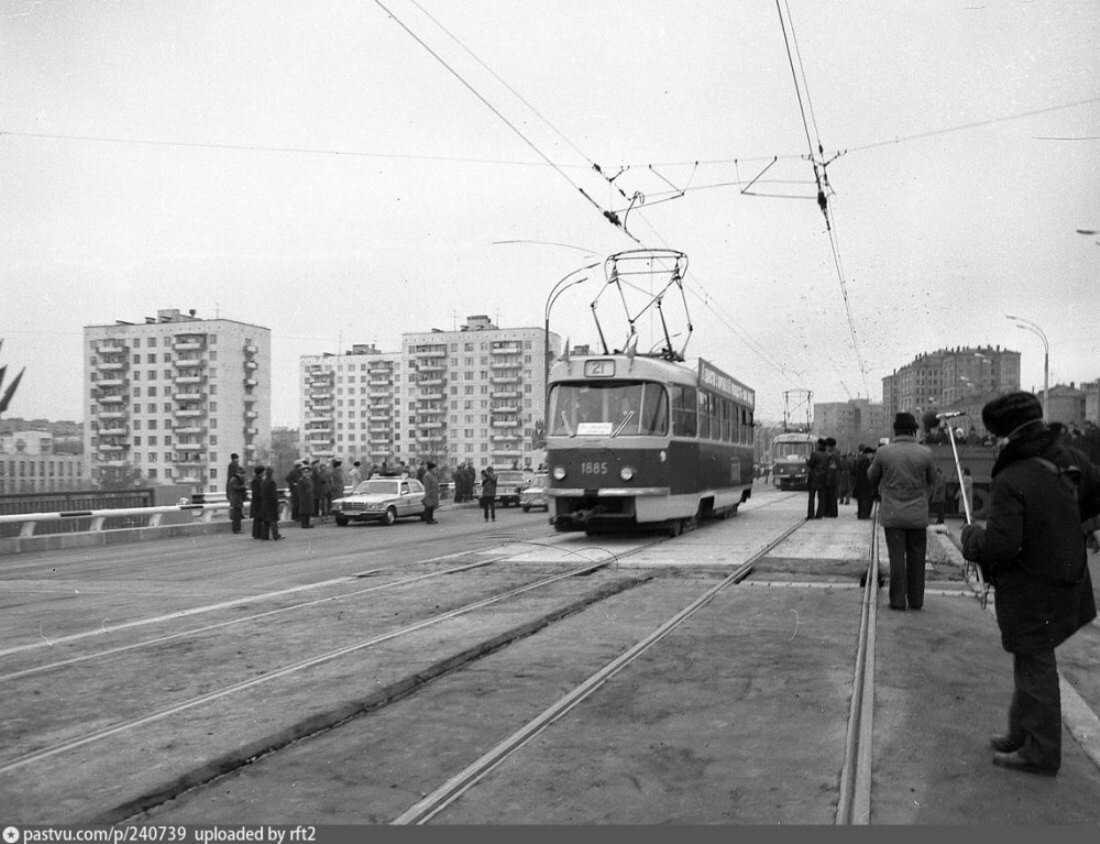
[
  {"x": 683, "y": 411},
  {"x": 705, "y": 403}
]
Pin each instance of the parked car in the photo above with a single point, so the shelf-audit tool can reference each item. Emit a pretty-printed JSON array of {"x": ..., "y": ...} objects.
[
  {"x": 536, "y": 494},
  {"x": 510, "y": 485},
  {"x": 380, "y": 500}
]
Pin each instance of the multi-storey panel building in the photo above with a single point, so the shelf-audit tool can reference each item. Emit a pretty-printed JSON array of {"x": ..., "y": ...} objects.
[
  {"x": 174, "y": 396},
  {"x": 472, "y": 395}
]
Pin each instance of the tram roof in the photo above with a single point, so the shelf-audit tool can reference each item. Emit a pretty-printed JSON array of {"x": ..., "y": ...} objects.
[{"x": 696, "y": 372}]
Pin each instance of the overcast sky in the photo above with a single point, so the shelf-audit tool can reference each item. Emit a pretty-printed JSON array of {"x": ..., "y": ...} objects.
[{"x": 342, "y": 175}]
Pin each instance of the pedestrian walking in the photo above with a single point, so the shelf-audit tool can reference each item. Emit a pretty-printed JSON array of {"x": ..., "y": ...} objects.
[
  {"x": 489, "y": 493},
  {"x": 254, "y": 504},
  {"x": 903, "y": 473},
  {"x": 235, "y": 493},
  {"x": 1032, "y": 550},
  {"x": 431, "y": 492},
  {"x": 305, "y": 497},
  {"x": 269, "y": 505},
  {"x": 355, "y": 476}
]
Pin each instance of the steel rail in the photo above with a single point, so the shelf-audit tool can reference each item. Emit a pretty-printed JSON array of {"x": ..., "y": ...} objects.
[
  {"x": 854, "y": 804},
  {"x": 422, "y": 811},
  {"x": 286, "y": 670}
]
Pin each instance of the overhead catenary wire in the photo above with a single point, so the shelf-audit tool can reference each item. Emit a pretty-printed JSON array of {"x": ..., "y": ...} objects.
[{"x": 608, "y": 215}]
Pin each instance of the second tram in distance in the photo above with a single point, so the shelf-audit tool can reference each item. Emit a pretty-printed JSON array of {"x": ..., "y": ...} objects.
[{"x": 643, "y": 441}]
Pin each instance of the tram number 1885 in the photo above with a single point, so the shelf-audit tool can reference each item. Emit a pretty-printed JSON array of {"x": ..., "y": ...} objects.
[{"x": 593, "y": 468}]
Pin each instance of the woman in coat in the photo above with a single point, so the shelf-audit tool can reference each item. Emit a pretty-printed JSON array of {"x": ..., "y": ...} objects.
[
  {"x": 431, "y": 493},
  {"x": 489, "y": 493},
  {"x": 1033, "y": 550}
]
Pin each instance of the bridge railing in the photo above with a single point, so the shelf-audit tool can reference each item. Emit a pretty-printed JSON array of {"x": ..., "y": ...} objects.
[{"x": 94, "y": 521}]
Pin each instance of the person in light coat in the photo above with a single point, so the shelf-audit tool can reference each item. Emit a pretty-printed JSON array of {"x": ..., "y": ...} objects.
[{"x": 904, "y": 474}]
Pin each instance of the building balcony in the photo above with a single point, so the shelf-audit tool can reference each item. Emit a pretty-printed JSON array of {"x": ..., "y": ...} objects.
[
  {"x": 379, "y": 394},
  {"x": 187, "y": 345},
  {"x": 431, "y": 366},
  {"x": 380, "y": 417},
  {"x": 379, "y": 442},
  {"x": 505, "y": 423},
  {"x": 189, "y": 478},
  {"x": 251, "y": 432},
  {"x": 505, "y": 364},
  {"x": 380, "y": 382},
  {"x": 431, "y": 440},
  {"x": 185, "y": 412},
  {"x": 112, "y": 413},
  {"x": 506, "y": 438},
  {"x": 505, "y": 452},
  {"x": 189, "y": 460},
  {"x": 324, "y": 452},
  {"x": 110, "y": 382},
  {"x": 250, "y": 382},
  {"x": 111, "y": 365},
  {"x": 111, "y": 399},
  {"x": 504, "y": 379},
  {"x": 111, "y": 464},
  {"x": 111, "y": 447},
  {"x": 504, "y": 408},
  {"x": 188, "y": 396},
  {"x": 189, "y": 429},
  {"x": 188, "y": 363},
  {"x": 250, "y": 414},
  {"x": 250, "y": 365},
  {"x": 431, "y": 411},
  {"x": 429, "y": 424},
  {"x": 187, "y": 378},
  {"x": 114, "y": 432},
  {"x": 429, "y": 353},
  {"x": 504, "y": 394},
  {"x": 506, "y": 349},
  {"x": 437, "y": 395},
  {"x": 251, "y": 348},
  {"x": 431, "y": 382}
]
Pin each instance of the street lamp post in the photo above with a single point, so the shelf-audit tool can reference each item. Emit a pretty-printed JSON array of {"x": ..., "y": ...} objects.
[
  {"x": 1028, "y": 325},
  {"x": 563, "y": 284}
]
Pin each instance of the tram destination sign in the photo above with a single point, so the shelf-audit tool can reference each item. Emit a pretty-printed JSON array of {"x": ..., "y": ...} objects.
[{"x": 716, "y": 379}]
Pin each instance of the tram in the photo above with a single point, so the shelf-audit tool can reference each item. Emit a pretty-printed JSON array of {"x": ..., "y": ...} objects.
[
  {"x": 789, "y": 453},
  {"x": 646, "y": 441}
]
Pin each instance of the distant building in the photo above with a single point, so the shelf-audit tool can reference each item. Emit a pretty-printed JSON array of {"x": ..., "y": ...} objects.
[
  {"x": 850, "y": 423},
  {"x": 174, "y": 396},
  {"x": 41, "y": 472},
  {"x": 1067, "y": 405},
  {"x": 1092, "y": 401},
  {"x": 475, "y": 394},
  {"x": 936, "y": 380}
]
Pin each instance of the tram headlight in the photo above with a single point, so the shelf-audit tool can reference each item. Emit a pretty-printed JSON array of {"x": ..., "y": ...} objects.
[
  {"x": 626, "y": 473},
  {"x": 559, "y": 473}
]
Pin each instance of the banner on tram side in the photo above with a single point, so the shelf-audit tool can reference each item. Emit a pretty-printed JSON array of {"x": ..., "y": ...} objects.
[{"x": 714, "y": 378}]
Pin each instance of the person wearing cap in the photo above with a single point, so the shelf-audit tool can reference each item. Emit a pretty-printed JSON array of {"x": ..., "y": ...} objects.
[
  {"x": 830, "y": 491},
  {"x": 431, "y": 493},
  {"x": 903, "y": 473},
  {"x": 292, "y": 489},
  {"x": 1032, "y": 549},
  {"x": 254, "y": 512}
]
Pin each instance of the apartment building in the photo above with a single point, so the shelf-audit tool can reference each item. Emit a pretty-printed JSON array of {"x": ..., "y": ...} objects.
[
  {"x": 934, "y": 380},
  {"x": 473, "y": 395},
  {"x": 174, "y": 396}
]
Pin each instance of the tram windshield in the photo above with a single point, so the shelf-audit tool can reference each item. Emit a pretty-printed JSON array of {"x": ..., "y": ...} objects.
[
  {"x": 791, "y": 450},
  {"x": 608, "y": 409}
]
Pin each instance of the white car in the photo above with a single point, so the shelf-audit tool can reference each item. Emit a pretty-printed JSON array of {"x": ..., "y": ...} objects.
[
  {"x": 535, "y": 495},
  {"x": 380, "y": 500}
]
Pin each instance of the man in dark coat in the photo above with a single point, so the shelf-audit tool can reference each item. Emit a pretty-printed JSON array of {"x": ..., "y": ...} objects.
[
  {"x": 1033, "y": 550},
  {"x": 861, "y": 485},
  {"x": 817, "y": 464},
  {"x": 305, "y": 498},
  {"x": 292, "y": 488},
  {"x": 254, "y": 505},
  {"x": 235, "y": 492},
  {"x": 269, "y": 505},
  {"x": 832, "y": 479},
  {"x": 903, "y": 473}
]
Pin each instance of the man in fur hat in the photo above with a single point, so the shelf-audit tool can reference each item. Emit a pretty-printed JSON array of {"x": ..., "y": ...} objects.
[
  {"x": 1033, "y": 549},
  {"x": 904, "y": 473}
]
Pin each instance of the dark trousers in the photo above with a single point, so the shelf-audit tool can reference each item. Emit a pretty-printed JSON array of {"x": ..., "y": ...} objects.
[
  {"x": 819, "y": 512},
  {"x": 489, "y": 505},
  {"x": 235, "y": 516},
  {"x": 257, "y": 527},
  {"x": 1035, "y": 716},
  {"x": 907, "y": 548},
  {"x": 830, "y": 501},
  {"x": 271, "y": 528},
  {"x": 429, "y": 515},
  {"x": 864, "y": 505},
  {"x": 305, "y": 520},
  {"x": 938, "y": 509}
]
